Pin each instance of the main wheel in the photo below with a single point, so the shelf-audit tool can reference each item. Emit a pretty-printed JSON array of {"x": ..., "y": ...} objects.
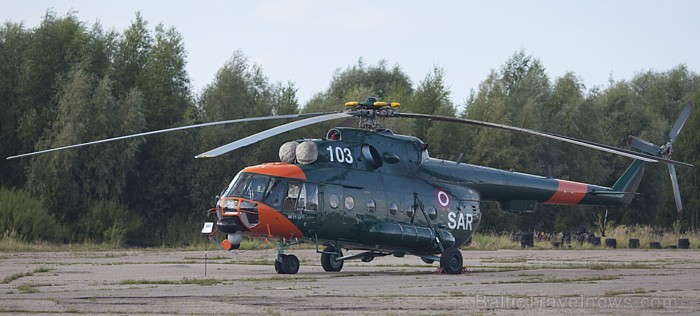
[
  {"x": 290, "y": 264},
  {"x": 328, "y": 261},
  {"x": 451, "y": 261}
]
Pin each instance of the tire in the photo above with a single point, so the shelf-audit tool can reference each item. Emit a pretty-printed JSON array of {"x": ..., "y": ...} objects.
[
  {"x": 368, "y": 258},
  {"x": 290, "y": 264},
  {"x": 527, "y": 239},
  {"x": 655, "y": 245},
  {"x": 328, "y": 261},
  {"x": 428, "y": 261},
  {"x": 278, "y": 265},
  {"x": 451, "y": 261},
  {"x": 610, "y": 243},
  {"x": 633, "y": 243}
]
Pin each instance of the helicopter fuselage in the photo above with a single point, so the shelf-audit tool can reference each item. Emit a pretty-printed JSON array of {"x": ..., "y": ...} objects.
[{"x": 381, "y": 192}]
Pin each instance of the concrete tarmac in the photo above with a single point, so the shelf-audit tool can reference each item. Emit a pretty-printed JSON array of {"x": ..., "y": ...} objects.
[{"x": 502, "y": 282}]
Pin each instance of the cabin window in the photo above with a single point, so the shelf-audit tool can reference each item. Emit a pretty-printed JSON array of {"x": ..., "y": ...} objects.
[
  {"x": 371, "y": 206},
  {"x": 432, "y": 213},
  {"x": 349, "y": 203},
  {"x": 310, "y": 191},
  {"x": 393, "y": 208},
  {"x": 290, "y": 201},
  {"x": 410, "y": 211},
  {"x": 334, "y": 201}
]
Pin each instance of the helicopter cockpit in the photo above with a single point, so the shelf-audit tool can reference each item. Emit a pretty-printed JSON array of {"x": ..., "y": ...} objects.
[{"x": 285, "y": 195}]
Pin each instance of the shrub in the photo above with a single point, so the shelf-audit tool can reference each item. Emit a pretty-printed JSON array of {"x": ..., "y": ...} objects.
[
  {"x": 24, "y": 217},
  {"x": 108, "y": 222}
]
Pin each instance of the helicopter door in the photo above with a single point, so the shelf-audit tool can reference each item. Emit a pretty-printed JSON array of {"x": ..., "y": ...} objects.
[
  {"x": 330, "y": 212},
  {"x": 307, "y": 204}
]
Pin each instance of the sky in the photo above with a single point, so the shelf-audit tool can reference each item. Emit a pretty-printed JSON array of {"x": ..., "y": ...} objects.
[{"x": 306, "y": 41}]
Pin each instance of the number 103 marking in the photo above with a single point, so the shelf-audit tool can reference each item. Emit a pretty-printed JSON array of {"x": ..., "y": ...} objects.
[{"x": 339, "y": 154}]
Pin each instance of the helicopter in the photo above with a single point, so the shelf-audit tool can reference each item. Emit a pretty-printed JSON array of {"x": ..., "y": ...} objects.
[{"x": 370, "y": 190}]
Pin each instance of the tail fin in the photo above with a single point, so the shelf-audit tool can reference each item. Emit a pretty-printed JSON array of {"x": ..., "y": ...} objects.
[{"x": 629, "y": 181}]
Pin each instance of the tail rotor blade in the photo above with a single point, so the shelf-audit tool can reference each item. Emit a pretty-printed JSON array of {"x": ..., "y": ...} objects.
[
  {"x": 681, "y": 120},
  {"x": 643, "y": 145},
  {"x": 676, "y": 190}
]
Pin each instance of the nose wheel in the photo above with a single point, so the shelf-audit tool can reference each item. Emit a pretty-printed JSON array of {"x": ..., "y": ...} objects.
[
  {"x": 285, "y": 264},
  {"x": 288, "y": 264}
]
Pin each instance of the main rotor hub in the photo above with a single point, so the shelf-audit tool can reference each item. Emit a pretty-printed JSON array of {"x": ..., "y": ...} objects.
[{"x": 369, "y": 110}]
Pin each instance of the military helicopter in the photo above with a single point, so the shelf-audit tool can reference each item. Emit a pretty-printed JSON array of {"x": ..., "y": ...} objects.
[{"x": 379, "y": 193}]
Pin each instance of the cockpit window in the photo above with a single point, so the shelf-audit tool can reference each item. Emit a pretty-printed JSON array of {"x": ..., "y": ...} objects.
[
  {"x": 275, "y": 192},
  {"x": 238, "y": 184},
  {"x": 256, "y": 188},
  {"x": 249, "y": 186}
]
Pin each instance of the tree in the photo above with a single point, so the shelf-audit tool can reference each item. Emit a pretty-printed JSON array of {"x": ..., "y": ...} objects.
[
  {"x": 433, "y": 97},
  {"x": 159, "y": 190},
  {"x": 360, "y": 81},
  {"x": 687, "y": 148},
  {"x": 87, "y": 111},
  {"x": 14, "y": 42}
]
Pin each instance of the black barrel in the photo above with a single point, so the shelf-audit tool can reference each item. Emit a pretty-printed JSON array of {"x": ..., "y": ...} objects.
[
  {"x": 610, "y": 243},
  {"x": 683, "y": 243},
  {"x": 595, "y": 241},
  {"x": 655, "y": 245},
  {"x": 634, "y": 243},
  {"x": 527, "y": 239}
]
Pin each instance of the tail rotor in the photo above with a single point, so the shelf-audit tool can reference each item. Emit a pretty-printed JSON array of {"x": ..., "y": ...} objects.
[{"x": 665, "y": 150}]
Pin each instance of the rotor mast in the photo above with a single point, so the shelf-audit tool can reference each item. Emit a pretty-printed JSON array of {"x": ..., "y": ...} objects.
[{"x": 369, "y": 110}]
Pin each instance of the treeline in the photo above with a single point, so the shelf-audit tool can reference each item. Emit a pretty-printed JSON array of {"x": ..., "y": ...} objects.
[{"x": 65, "y": 82}]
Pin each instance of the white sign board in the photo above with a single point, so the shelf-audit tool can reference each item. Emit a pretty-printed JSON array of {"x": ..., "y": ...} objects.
[{"x": 208, "y": 227}]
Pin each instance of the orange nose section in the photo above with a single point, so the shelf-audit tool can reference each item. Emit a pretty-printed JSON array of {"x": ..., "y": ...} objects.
[
  {"x": 270, "y": 222},
  {"x": 278, "y": 169},
  {"x": 274, "y": 224}
]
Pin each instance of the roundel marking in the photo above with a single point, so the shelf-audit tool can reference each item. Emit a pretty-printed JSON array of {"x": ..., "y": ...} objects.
[{"x": 442, "y": 198}]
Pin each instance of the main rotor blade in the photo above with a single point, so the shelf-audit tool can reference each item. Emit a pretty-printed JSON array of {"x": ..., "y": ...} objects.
[
  {"x": 605, "y": 148},
  {"x": 680, "y": 121},
  {"x": 643, "y": 145},
  {"x": 676, "y": 190},
  {"x": 271, "y": 132},
  {"x": 251, "y": 119}
]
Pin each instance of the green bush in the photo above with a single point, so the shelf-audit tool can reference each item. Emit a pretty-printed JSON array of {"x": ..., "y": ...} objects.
[
  {"x": 108, "y": 222},
  {"x": 24, "y": 217}
]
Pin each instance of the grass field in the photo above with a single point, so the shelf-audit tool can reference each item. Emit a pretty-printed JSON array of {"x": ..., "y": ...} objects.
[{"x": 480, "y": 241}]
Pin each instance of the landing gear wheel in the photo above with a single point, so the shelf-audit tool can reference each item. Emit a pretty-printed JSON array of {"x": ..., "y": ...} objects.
[
  {"x": 328, "y": 261},
  {"x": 290, "y": 264},
  {"x": 428, "y": 261},
  {"x": 451, "y": 261},
  {"x": 278, "y": 265},
  {"x": 368, "y": 258}
]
